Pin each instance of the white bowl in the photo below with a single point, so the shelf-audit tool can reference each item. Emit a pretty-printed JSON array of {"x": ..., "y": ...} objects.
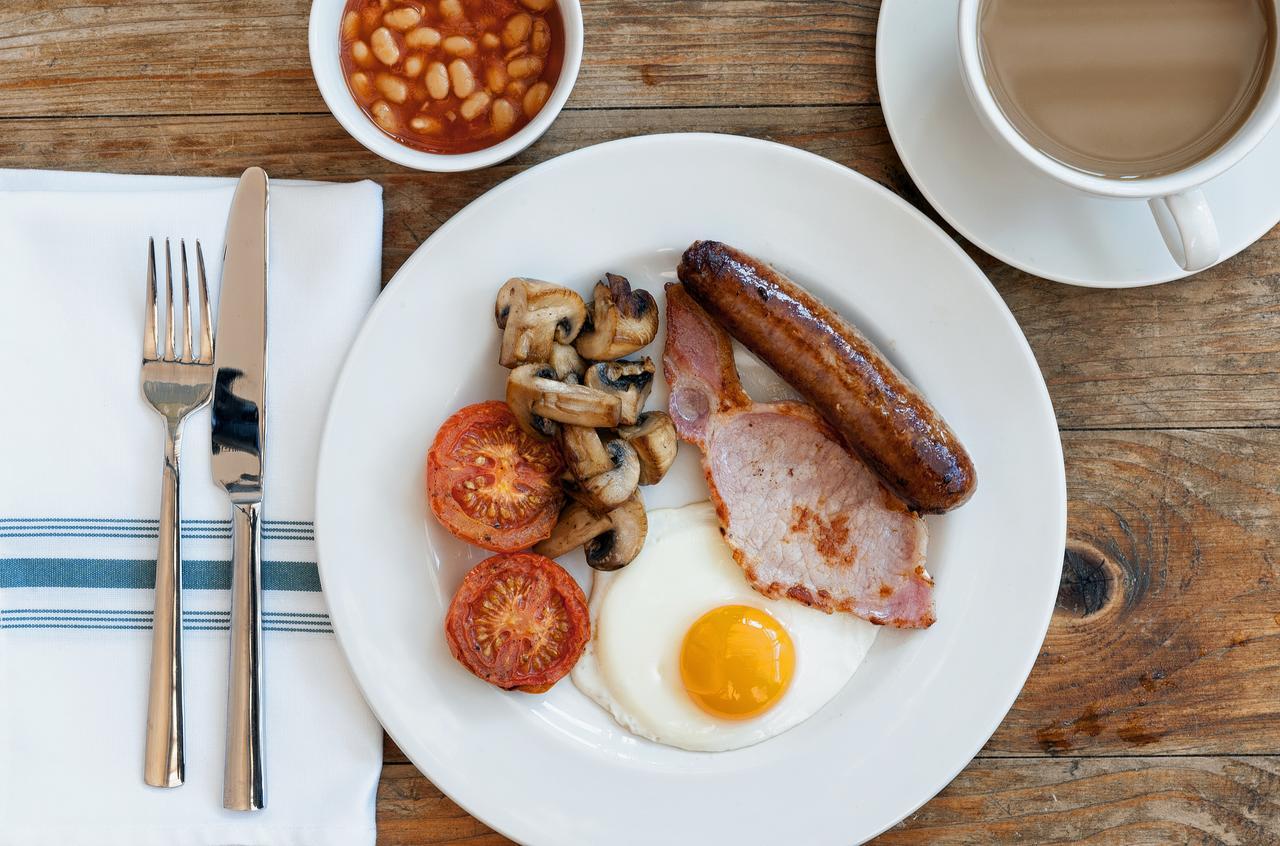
[{"x": 323, "y": 41}]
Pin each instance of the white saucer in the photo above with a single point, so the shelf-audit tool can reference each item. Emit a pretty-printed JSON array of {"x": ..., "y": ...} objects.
[{"x": 1009, "y": 209}]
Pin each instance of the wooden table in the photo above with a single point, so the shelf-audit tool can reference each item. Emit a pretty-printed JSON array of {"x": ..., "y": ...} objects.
[{"x": 1153, "y": 713}]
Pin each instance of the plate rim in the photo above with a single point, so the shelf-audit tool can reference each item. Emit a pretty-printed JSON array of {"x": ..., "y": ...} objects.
[
  {"x": 1000, "y": 254},
  {"x": 400, "y": 280}
]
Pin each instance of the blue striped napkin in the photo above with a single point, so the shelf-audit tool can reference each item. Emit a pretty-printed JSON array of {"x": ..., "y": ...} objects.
[{"x": 80, "y": 462}]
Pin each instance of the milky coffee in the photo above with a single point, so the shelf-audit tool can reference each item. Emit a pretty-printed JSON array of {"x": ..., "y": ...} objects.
[{"x": 1127, "y": 88}]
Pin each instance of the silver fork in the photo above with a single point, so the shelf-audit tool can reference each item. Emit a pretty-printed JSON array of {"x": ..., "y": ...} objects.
[{"x": 175, "y": 386}]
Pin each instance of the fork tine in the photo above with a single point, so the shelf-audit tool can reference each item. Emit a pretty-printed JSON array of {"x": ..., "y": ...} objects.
[
  {"x": 206, "y": 319},
  {"x": 150, "y": 335},
  {"x": 173, "y": 308},
  {"x": 186, "y": 303}
]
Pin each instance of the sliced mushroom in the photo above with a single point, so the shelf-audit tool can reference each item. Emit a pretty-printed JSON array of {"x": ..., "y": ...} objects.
[
  {"x": 539, "y": 401},
  {"x": 609, "y": 542},
  {"x": 629, "y": 381},
  {"x": 584, "y": 452},
  {"x": 524, "y": 388},
  {"x": 621, "y": 320},
  {"x": 606, "y": 472},
  {"x": 619, "y": 546},
  {"x": 576, "y": 405},
  {"x": 655, "y": 442},
  {"x": 576, "y": 526},
  {"x": 533, "y": 316},
  {"x": 568, "y": 365}
]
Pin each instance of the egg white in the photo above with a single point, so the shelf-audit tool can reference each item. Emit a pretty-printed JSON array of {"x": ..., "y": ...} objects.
[{"x": 639, "y": 617}]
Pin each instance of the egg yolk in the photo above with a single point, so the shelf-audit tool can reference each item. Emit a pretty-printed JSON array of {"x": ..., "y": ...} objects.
[{"x": 736, "y": 662}]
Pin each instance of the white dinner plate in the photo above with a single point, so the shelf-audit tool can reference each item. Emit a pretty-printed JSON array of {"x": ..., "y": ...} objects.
[
  {"x": 1006, "y": 206},
  {"x": 555, "y": 769}
]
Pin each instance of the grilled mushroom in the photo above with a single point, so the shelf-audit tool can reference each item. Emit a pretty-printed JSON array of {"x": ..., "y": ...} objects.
[
  {"x": 621, "y": 320},
  {"x": 607, "y": 473},
  {"x": 629, "y": 381},
  {"x": 618, "y": 547},
  {"x": 576, "y": 526},
  {"x": 654, "y": 439},
  {"x": 610, "y": 542},
  {"x": 539, "y": 401},
  {"x": 568, "y": 365},
  {"x": 533, "y": 316}
]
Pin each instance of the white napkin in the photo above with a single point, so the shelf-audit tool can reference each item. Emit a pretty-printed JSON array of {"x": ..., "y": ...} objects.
[{"x": 80, "y": 465}]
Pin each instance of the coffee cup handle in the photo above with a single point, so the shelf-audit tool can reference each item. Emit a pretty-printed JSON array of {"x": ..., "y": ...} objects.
[{"x": 1188, "y": 228}]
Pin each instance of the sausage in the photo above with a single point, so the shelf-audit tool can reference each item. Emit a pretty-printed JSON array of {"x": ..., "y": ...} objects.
[{"x": 881, "y": 415}]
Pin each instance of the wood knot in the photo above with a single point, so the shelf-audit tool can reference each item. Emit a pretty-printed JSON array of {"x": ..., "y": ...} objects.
[{"x": 1090, "y": 581}]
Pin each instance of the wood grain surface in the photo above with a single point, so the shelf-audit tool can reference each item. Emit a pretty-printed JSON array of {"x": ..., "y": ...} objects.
[
  {"x": 240, "y": 56},
  {"x": 1153, "y": 712},
  {"x": 1132, "y": 800}
]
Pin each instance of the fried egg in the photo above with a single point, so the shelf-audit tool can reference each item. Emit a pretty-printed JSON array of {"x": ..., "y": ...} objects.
[{"x": 684, "y": 652}]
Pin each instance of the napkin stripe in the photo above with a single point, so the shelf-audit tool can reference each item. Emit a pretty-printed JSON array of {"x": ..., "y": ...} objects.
[
  {"x": 148, "y": 520},
  {"x": 213, "y": 616},
  {"x": 195, "y": 625},
  {"x": 145, "y": 535},
  {"x": 121, "y": 619},
  {"x": 146, "y": 626},
  {"x": 140, "y": 574},
  {"x": 185, "y": 627},
  {"x": 142, "y": 528}
]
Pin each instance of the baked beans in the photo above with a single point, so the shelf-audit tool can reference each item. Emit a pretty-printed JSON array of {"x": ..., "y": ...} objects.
[{"x": 451, "y": 76}]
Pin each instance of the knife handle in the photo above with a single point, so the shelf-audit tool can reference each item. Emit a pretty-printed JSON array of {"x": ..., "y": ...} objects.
[{"x": 243, "y": 786}]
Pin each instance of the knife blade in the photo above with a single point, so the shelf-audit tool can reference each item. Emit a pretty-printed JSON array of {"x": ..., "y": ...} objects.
[
  {"x": 238, "y": 429},
  {"x": 240, "y": 359}
]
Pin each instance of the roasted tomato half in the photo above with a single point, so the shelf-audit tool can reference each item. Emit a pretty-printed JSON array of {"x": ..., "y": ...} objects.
[
  {"x": 492, "y": 484},
  {"x": 518, "y": 621}
]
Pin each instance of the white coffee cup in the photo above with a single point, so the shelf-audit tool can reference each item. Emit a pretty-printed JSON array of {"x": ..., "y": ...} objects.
[{"x": 1176, "y": 201}]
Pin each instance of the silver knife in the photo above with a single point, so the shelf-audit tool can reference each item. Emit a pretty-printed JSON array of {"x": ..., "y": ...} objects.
[{"x": 239, "y": 434}]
